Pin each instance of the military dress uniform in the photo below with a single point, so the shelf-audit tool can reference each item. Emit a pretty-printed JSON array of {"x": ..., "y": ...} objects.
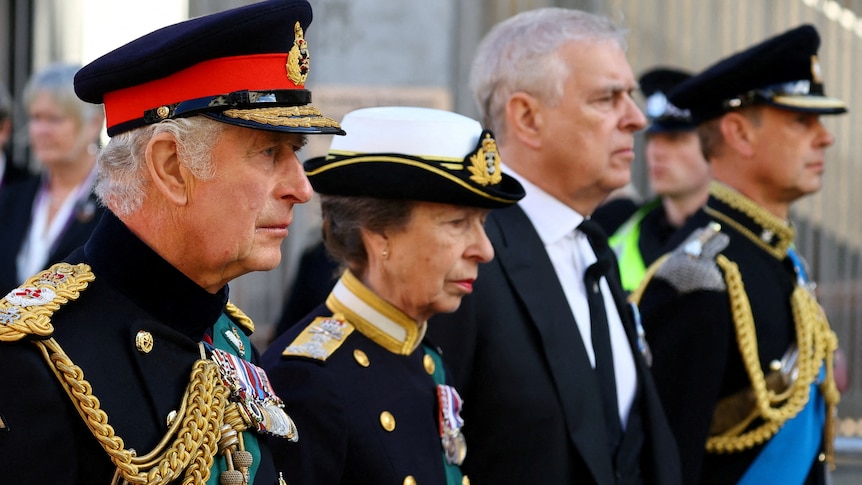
[
  {"x": 112, "y": 352},
  {"x": 742, "y": 350},
  {"x": 372, "y": 400},
  {"x": 732, "y": 302},
  {"x": 369, "y": 396},
  {"x": 118, "y": 368}
]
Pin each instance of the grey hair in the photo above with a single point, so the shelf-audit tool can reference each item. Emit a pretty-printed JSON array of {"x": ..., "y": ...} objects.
[
  {"x": 123, "y": 173},
  {"x": 344, "y": 217},
  {"x": 58, "y": 80},
  {"x": 522, "y": 54}
]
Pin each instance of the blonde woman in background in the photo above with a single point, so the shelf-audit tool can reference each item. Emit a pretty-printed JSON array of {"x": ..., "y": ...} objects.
[{"x": 48, "y": 215}]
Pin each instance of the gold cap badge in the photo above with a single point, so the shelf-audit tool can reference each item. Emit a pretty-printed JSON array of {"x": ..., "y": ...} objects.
[
  {"x": 485, "y": 163},
  {"x": 298, "y": 57}
]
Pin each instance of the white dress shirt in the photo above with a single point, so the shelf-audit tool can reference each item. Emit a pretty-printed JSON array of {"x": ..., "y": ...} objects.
[{"x": 571, "y": 254}]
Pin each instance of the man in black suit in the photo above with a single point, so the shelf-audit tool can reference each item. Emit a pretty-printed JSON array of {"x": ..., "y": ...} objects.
[{"x": 556, "y": 86}]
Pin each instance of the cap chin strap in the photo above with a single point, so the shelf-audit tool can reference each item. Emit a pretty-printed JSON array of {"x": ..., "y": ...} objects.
[{"x": 237, "y": 99}]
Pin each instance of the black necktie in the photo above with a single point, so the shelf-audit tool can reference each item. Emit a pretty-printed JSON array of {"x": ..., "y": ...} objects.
[{"x": 599, "y": 325}]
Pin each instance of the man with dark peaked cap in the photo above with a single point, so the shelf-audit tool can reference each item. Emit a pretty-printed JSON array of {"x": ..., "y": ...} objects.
[
  {"x": 127, "y": 363},
  {"x": 742, "y": 350},
  {"x": 678, "y": 175}
]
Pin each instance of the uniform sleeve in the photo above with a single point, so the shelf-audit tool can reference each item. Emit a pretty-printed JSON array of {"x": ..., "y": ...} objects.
[
  {"x": 41, "y": 433},
  {"x": 312, "y": 399},
  {"x": 688, "y": 335}
]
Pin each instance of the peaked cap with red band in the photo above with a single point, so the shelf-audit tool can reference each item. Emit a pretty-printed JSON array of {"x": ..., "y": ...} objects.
[{"x": 245, "y": 66}]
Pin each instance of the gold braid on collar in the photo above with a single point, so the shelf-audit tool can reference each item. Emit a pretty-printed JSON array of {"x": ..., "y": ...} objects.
[{"x": 772, "y": 225}]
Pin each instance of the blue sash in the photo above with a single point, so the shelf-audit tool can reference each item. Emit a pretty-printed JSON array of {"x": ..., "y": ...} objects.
[{"x": 788, "y": 456}]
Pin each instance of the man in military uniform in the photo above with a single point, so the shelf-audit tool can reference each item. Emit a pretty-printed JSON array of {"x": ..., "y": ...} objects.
[
  {"x": 678, "y": 175},
  {"x": 127, "y": 363},
  {"x": 742, "y": 350}
]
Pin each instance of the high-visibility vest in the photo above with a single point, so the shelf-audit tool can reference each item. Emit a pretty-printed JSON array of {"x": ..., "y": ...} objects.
[{"x": 624, "y": 242}]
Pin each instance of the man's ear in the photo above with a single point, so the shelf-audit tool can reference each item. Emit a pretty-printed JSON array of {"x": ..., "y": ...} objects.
[
  {"x": 524, "y": 118},
  {"x": 170, "y": 178},
  {"x": 738, "y": 132}
]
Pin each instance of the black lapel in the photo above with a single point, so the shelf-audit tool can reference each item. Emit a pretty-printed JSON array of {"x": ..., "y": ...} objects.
[{"x": 523, "y": 258}]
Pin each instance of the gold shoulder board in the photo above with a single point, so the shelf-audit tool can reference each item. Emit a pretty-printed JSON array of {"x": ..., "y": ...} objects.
[
  {"x": 321, "y": 338},
  {"x": 26, "y": 311},
  {"x": 240, "y": 318}
]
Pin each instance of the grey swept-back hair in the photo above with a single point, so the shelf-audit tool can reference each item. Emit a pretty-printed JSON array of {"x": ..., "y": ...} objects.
[{"x": 521, "y": 53}]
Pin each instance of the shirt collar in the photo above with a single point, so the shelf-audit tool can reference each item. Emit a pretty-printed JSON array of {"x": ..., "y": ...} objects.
[{"x": 552, "y": 219}]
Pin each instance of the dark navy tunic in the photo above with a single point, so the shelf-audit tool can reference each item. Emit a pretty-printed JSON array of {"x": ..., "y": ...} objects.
[{"x": 43, "y": 439}]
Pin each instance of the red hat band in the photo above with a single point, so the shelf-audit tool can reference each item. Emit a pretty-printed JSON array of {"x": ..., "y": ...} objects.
[{"x": 265, "y": 72}]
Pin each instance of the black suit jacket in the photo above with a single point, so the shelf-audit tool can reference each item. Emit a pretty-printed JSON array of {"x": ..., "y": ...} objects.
[
  {"x": 531, "y": 400},
  {"x": 16, "y": 212}
]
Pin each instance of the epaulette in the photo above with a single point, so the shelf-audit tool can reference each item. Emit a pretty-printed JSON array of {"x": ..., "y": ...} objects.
[
  {"x": 26, "y": 311},
  {"x": 692, "y": 265},
  {"x": 320, "y": 339},
  {"x": 240, "y": 318}
]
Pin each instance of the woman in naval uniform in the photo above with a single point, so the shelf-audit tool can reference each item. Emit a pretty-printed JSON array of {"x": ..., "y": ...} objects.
[{"x": 404, "y": 199}]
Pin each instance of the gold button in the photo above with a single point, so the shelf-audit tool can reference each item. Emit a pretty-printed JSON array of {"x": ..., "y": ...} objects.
[
  {"x": 821, "y": 457},
  {"x": 361, "y": 358},
  {"x": 144, "y": 341},
  {"x": 428, "y": 362},
  {"x": 465, "y": 480},
  {"x": 387, "y": 420},
  {"x": 171, "y": 417},
  {"x": 163, "y": 112},
  {"x": 409, "y": 480}
]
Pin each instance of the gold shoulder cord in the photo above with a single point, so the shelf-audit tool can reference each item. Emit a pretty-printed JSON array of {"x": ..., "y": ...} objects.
[
  {"x": 205, "y": 421},
  {"x": 816, "y": 342}
]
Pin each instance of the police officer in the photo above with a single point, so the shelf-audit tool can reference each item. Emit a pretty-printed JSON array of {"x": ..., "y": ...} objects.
[
  {"x": 127, "y": 363},
  {"x": 742, "y": 350},
  {"x": 678, "y": 175}
]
